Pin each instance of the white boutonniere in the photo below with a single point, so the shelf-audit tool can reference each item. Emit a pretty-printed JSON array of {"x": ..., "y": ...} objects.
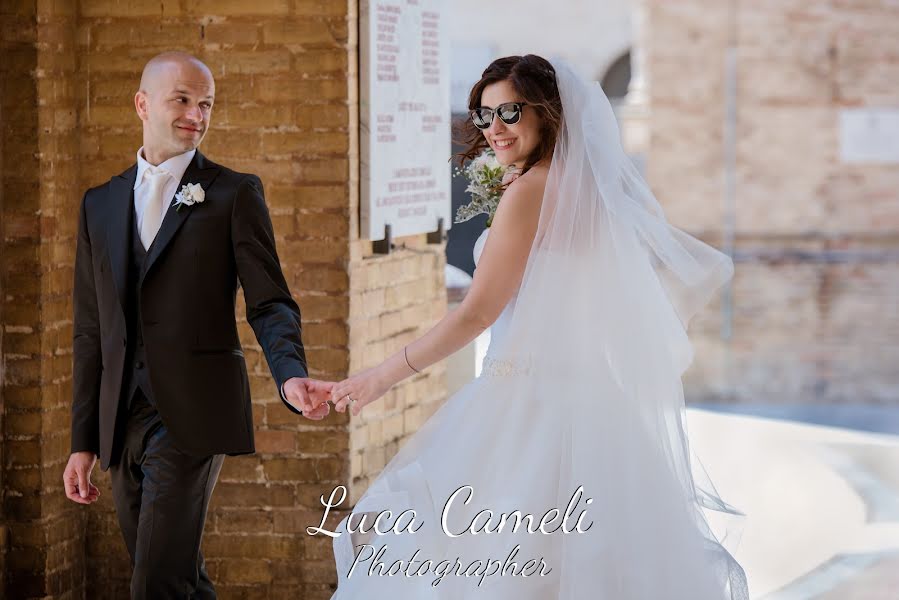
[{"x": 190, "y": 194}]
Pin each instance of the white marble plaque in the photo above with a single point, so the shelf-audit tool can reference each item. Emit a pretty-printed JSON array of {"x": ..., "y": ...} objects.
[
  {"x": 869, "y": 135},
  {"x": 404, "y": 117}
]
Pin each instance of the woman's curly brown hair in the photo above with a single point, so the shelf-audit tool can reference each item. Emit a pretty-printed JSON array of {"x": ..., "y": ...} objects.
[{"x": 534, "y": 79}]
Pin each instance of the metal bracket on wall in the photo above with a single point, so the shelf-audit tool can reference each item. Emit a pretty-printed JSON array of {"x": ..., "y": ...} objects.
[
  {"x": 384, "y": 246},
  {"x": 439, "y": 235}
]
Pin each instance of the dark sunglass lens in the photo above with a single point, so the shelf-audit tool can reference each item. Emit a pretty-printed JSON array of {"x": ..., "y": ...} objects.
[
  {"x": 509, "y": 113},
  {"x": 481, "y": 118}
]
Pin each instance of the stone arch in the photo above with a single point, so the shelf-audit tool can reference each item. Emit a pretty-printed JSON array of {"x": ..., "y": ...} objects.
[{"x": 616, "y": 78}]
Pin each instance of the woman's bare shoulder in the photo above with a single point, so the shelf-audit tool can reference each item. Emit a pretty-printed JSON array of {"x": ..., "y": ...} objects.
[
  {"x": 524, "y": 196},
  {"x": 532, "y": 183}
]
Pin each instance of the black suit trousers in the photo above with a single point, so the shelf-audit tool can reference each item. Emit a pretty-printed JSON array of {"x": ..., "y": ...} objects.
[{"x": 161, "y": 497}]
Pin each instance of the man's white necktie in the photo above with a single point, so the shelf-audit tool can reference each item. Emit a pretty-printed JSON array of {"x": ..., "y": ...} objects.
[{"x": 155, "y": 208}]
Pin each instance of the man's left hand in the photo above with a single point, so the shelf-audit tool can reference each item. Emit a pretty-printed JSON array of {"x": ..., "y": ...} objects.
[{"x": 309, "y": 396}]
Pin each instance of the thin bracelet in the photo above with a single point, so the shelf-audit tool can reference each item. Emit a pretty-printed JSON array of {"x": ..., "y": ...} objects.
[{"x": 406, "y": 355}]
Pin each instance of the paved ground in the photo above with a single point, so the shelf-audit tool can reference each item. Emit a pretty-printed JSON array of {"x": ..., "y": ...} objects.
[
  {"x": 822, "y": 501},
  {"x": 876, "y": 419}
]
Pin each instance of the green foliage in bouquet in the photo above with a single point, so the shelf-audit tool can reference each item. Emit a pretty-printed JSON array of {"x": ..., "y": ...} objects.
[{"x": 485, "y": 184}]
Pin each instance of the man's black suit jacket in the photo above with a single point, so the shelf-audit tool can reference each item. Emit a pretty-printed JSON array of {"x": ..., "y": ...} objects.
[{"x": 188, "y": 292}]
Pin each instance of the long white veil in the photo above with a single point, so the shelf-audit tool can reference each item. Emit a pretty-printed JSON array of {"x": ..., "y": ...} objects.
[
  {"x": 607, "y": 294},
  {"x": 586, "y": 394}
]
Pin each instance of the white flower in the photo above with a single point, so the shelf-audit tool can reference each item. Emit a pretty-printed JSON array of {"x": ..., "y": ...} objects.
[
  {"x": 487, "y": 160},
  {"x": 485, "y": 184},
  {"x": 190, "y": 194}
]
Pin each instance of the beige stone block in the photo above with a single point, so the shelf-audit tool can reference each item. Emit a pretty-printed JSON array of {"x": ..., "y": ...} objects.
[
  {"x": 783, "y": 157},
  {"x": 393, "y": 427},
  {"x": 239, "y": 33},
  {"x": 320, "y": 8},
  {"x": 310, "y": 197},
  {"x": 258, "y": 8},
  {"x": 320, "y": 61},
  {"x": 685, "y": 27},
  {"x": 234, "y": 107},
  {"x": 862, "y": 199},
  {"x": 301, "y": 31},
  {"x": 784, "y": 28},
  {"x": 323, "y": 278},
  {"x": 307, "y": 143},
  {"x": 271, "y": 89},
  {"x": 703, "y": 89},
  {"x": 312, "y": 252},
  {"x": 124, "y": 34},
  {"x": 867, "y": 82},
  {"x": 120, "y": 8},
  {"x": 373, "y": 460},
  {"x": 329, "y": 115},
  {"x": 332, "y": 170},
  {"x": 685, "y": 167},
  {"x": 794, "y": 81},
  {"x": 253, "y": 61}
]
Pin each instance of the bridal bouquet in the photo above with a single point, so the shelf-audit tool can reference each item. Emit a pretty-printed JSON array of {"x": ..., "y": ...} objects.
[{"x": 485, "y": 184}]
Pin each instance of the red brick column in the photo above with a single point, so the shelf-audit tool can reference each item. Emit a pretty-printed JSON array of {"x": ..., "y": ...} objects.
[
  {"x": 40, "y": 171},
  {"x": 287, "y": 109}
]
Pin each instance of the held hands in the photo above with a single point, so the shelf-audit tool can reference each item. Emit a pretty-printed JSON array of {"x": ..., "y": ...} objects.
[
  {"x": 310, "y": 396},
  {"x": 360, "y": 389},
  {"x": 77, "y": 478}
]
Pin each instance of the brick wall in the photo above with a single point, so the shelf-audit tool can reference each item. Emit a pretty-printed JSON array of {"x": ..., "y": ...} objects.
[
  {"x": 287, "y": 105},
  {"x": 40, "y": 164},
  {"x": 7, "y": 45},
  {"x": 816, "y": 240},
  {"x": 393, "y": 300}
]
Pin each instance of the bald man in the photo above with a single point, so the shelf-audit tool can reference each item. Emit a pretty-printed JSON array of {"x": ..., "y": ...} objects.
[{"x": 161, "y": 391}]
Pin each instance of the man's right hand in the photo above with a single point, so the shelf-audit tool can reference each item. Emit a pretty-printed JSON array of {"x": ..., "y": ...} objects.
[{"x": 77, "y": 478}]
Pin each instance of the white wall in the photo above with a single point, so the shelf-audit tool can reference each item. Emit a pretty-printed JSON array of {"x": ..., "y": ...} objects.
[{"x": 590, "y": 34}]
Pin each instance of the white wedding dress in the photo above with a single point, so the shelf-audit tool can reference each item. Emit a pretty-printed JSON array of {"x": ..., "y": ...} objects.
[
  {"x": 577, "y": 418},
  {"x": 510, "y": 438}
]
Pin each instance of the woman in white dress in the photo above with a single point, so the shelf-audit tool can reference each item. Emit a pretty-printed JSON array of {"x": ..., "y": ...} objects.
[{"x": 564, "y": 470}]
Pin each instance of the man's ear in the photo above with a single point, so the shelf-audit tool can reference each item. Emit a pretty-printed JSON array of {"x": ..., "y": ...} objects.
[{"x": 140, "y": 104}]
